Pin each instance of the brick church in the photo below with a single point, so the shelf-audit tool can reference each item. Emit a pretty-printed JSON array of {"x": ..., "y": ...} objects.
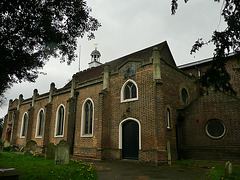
[{"x": 140, "y": 106}]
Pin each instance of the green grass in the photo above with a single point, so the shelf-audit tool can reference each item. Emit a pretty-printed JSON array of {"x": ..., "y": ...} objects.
[
  {"x": 35, "y": 167},
  {"x": 216, "y": 169}
]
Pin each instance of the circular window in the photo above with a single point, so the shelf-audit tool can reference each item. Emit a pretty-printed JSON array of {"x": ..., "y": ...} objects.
[
  {"x": 215, "y": 129},
  {"x": 184, "y": 96}
]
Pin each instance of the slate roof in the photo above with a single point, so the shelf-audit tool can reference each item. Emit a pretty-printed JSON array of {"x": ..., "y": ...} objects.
[{"x": 144, "y": 55}]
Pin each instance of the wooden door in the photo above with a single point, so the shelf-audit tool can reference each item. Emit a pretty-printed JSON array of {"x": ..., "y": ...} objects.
[{"x": 130, "y": 138}]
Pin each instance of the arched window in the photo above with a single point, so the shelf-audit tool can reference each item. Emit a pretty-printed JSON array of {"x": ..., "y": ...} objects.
[
  {"x": 185, "y": 97},
  {"x": 24, "y": 125},
  {"x": 168, "y": 119},
  {"x": 129, "y": 91},
  {"x": 60, "y": 117},
  {"x": 87, "y": 118},
  {"x": 40, "y": 122}
]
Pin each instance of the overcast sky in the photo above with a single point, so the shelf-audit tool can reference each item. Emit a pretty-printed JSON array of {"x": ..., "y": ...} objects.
[{"x": 129, "y": 26}]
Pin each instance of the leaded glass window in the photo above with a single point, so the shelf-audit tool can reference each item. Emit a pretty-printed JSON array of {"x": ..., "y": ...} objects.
[
  {"x": 60, "y": 121},
  {"x": 88, "y": 117}
]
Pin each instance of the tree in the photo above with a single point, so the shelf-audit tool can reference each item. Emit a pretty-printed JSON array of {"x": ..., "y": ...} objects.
[
  {"x": 225, "y": 41},
  {"x": 1, "y": 127},
  {"x": 33, "y": 31}
]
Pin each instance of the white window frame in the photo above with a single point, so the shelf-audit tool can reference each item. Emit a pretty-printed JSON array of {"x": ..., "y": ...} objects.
[
  {"x": 56, "y": 121},
  {"x": 25, "y": 125},
  {"x": 38, "y": 121},
  {"x": 83, "y": 119},
  {"x": 123, "y": 88},
  {"x": 120, "y": 132}
]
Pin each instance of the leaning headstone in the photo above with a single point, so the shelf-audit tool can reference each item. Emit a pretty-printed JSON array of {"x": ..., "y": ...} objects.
[
  {"x": 6, "y": 145},
  {"x": 30, "y": 147},
  {"x": 1, "y": 147},
  {"x": 228, "y": 169},
  {"x": 62, "y": 153},
  {"x": 50, "y": 151}
]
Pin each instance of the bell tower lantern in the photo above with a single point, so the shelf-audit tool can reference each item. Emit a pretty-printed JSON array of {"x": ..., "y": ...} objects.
[{"x": 95, "y": 58}]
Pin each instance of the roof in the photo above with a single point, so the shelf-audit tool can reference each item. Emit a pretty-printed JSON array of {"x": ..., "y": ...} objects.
[
  {"x": 143, "y": 55},
  {"x": 203, "y": 62}
]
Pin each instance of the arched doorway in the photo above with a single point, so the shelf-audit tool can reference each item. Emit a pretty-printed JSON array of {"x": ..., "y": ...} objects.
[{"x": 130, "y": 139}]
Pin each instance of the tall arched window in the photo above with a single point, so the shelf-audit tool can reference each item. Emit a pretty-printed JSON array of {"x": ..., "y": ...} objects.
[
  {"x": 87, "y": 118},
  {"x": 129, "y": 91},
  {"x": 168, "y": 119},
  {"x": 40, "y": 122},
  {"x": 60, "y": 117},
  {"x": 24, "y": 125}
]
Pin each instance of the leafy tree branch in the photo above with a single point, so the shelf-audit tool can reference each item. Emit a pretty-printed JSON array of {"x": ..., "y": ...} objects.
[
  {"x": 225, "y": 42},
  {"x": 33, "y": 31}
]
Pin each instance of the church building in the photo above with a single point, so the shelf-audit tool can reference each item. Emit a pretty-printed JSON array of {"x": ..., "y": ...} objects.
[{"x": 140, "y": 106}]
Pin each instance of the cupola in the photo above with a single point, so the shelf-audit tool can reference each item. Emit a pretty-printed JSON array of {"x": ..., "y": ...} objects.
[{"x": 95, "y": 58}]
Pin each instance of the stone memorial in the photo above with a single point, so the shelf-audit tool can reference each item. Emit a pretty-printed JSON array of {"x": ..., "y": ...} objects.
[
  {"x": 6, "y": 144},
  {"x": 62, "y": 153},
  {"x": 30, "y": 147},
  {"x": 228, "y": 169},
  {"x": 1, "y": 147},
  {"x": 50, "y": 151}
]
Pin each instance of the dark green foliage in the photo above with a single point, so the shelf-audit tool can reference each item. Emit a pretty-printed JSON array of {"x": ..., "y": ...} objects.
[
  {"x": 32, "y": 31},
  {"x": 36, "y": 167},
  {"x": 225, "y": 41}
]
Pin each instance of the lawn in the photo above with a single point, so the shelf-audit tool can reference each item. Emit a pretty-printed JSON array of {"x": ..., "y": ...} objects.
[
  {"x": 217, "y": 169},
  {"x": 36, "y": 167}
]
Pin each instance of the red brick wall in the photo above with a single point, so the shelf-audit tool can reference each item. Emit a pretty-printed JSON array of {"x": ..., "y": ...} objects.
[
  {"x": 38, "y": 105},
  {"x": 86, "y": 146},
  {"x": 196, "y": 143},
  {"x": 173, "y": 83},
  {"x": 21, "y": 141},
  {"x": 57, "y": 101}
]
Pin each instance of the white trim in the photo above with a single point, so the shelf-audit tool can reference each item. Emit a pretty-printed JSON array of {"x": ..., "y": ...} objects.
[
  {"x": 122, "y": 91},
  {"x": 120, "y": 131},
  {"x": 56, "y": 121},
  {"x": 22, "y": 125},
  {"x": 37, "y": 125},
  {"x": 83, "y": 118}
]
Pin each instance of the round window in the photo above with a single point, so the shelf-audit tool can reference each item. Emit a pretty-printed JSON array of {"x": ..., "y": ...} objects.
[
  {"x": 215, "y": 129},
  {"x": 184, "y": 96}
]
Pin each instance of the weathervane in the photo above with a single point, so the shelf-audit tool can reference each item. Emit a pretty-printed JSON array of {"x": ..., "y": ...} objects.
[{"x": 95, "y": 45}]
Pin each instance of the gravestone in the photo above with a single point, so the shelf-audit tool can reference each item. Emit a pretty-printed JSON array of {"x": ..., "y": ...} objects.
[
  {"x": 50, "y": 151},
  {"x": 1, "y": 147},
  {"x": 228, "y": 169},
  {"x": 6, "y": 144},
  {"x": 30, "y": 147},
  {"x": 62, "y": 153}
]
